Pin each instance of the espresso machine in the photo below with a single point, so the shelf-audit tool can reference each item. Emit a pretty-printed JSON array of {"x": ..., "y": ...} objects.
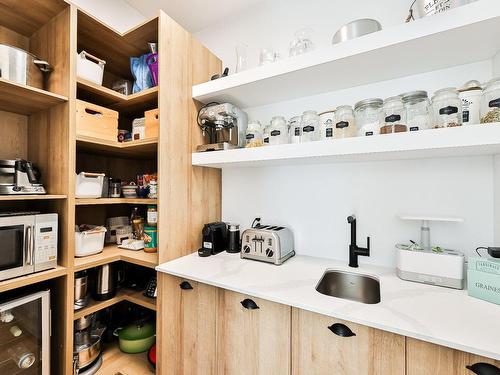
[
  {"x": 19, "y": 177},
  {"x": 224, "y": 126}
]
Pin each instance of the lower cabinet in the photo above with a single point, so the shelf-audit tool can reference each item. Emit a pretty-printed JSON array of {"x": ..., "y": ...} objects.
[{"x": 324, "y": 345}]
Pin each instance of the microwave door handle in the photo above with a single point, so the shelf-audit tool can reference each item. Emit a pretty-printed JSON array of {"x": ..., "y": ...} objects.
[
  {"x": 32, "y": 238},
  {"x": 27, "y": 245}
]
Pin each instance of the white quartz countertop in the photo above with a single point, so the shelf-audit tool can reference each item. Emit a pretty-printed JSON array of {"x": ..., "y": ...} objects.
[{"x": 439, "y": 315}]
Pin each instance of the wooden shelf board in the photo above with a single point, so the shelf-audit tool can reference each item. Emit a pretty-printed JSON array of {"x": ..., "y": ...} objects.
[
  {"x": 117, "y": 362},
  {"x": 33, "y": 278},
  {"x": 112, "y": 253},
  {"x": 31, "y": 197},
  {"x": 96, "y": 201},
  {"x": 146, "y": 148},
  {"x": 26, "y": 100}
]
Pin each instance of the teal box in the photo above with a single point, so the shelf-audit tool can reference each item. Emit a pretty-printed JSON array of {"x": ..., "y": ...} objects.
[{"x": 483, "y": 279}]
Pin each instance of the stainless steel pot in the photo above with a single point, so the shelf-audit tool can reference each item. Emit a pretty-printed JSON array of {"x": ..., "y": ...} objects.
[
  {"x": 424, "y": 8},
  {"x": 81, "y": 297},
  {"x": 355, "y": 29},
  {"x": 23, "y": 67},
  {"x": 87, "y": 348},
  {"x": 84, "y": 322}
]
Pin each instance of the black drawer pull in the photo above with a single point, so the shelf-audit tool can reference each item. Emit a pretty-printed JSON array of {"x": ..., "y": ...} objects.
[
  {"x": 341, "y": 330},
  {"x": 482, "y": 368},
  {"x": 249, "y": 304},
  {"x": 185, "y": 285}
]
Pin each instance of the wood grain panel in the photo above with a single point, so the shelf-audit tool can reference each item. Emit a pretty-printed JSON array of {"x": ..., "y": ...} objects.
[
  {"x": 10, "y": 37},
  {"x": 14, "y": 129}
]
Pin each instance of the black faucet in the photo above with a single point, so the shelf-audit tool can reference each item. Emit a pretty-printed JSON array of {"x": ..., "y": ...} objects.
[{"x": 355, "y": 250}]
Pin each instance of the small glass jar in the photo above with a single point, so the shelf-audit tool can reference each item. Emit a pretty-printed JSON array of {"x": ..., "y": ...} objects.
[
  {"x": 153, "y": 189},
  {"x": 490, "y": 103},
  {"x": 345, "y": 126},
  {"x": 278, "y": 131},
  {"x": 253, "y": 137},
  {"x": 115, "y": 188},
  {"x": 310, "y": 126},
  {"x": 295, "y": 129},
  {"x": 417, "y": 108},
  {"x": 446, "y": 108},
  {"x": 152, "y": 216},
  {"x": 265, "y": 135},
  {"x": 327, "y": 125},
  {"x": 369, "y": 116},
  {"x": 394, "y": 116}
]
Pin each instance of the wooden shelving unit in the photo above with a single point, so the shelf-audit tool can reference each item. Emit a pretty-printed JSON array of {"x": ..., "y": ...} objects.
[
  {"x": 116, "y": 362},
  {"x": 106, "y": 201},
  {"x": 113, "y": 253},
  {"x": 32, "y": 278},
  {"x": 145, "y": 148},
  {"x": 31, "y": 197}
]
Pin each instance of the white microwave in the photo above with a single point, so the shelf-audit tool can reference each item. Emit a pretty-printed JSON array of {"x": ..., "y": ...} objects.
[{"x": 28, "y": 244}]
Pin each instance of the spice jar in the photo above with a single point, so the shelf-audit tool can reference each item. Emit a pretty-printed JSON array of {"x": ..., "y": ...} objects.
[
  {"x": 369, "y": 116},
  {"x": 253, "y": 135},
  {"x": 115, "y": 188},
  {"x": 278, "y": 131},
  {"x": 345, "y": 126},
  {"x": 394, "y": 116},
  {"x": 446, "y": 108},
  {"x": 153, "y": 189},
  {"x": 295, "y": 129},
  {"x": 490, "y": 103},
  {"x": 310, "y": 126},
  {"x": 327, "y": 120},
  {"x": 417, "y": 108},
  {"x": 152, "y": 216}
]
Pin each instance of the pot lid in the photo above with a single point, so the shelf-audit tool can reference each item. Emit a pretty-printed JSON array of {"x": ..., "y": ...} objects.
[{"x": 137, "y": 331}]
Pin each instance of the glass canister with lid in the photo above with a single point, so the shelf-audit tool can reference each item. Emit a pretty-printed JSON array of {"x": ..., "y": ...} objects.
[
  {"x": 295, "y": 129},
  {"x": 470, "y": 95},
  {"x": 417, "y": 108},
  {"x": 253, "y": 135},
  {"x": 490, "y": 103},
  {"x": 265, "y": 134},
  {"x": 310, "y": 126},
  {"x": 446, "y": 108},
  {"x": 327, "y": 125},
  {"x": 394, "y": 116},
  {"x": 345, "y": 126},
  {"x": 278, "y": 131},
  {"x": 369, "y": 116}
]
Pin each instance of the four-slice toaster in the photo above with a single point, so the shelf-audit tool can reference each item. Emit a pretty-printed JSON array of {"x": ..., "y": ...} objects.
[{"x": 267, "y": 243}]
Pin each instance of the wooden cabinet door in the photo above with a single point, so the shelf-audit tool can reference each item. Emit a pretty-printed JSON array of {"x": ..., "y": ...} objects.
[
  {"x": 324, "y": 345},
  {"x": 425, "y": 358},
  {"x": 186, "y": 327},
  {"x": 253, "y": 336}
]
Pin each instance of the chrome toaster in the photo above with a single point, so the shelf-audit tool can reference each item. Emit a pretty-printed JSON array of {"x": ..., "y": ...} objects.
[{"x": 267, "y": 243}]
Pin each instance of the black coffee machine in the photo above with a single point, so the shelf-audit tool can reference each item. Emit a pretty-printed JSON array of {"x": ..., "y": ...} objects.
[{"x": 214, "y": 239}]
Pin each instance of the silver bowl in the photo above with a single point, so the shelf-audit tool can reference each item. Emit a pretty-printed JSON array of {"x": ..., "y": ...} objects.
[{"x": 355, "y": 29}]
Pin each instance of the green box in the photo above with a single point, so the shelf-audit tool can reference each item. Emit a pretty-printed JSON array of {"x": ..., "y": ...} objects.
[{"x": 483, "y": 279}]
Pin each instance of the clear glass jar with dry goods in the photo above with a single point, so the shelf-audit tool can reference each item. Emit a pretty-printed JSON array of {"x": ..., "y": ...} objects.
[
  {"x": 295, "y": 129},
  {"x": 418, "y": 110},
  {"x": 345, "y": 125},
  {"x": 369, "y": 116},
  {"x": 278, "y": 131},
  {"x": 310, "y": 126},
  {"x": 394, "y": 116},
  {"x": 327, "y": 120},
  {"x": 253, "y": 136},
  {"x": 446, "y": 108},
  {"x": 490, "y": 103},
  {"x": 265, "y": 135}
]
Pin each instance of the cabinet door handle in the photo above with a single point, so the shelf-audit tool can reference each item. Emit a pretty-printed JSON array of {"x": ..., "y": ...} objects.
[
  {"x": 341, "y": 330},
  {"x": 185, "y": 285},
  {"x": 249, "y": 304},
  {"x": 482, "y": 368}
]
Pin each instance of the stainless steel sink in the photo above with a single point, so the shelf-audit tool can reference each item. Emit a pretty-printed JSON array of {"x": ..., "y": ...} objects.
[{"x": 348, "y": 285}]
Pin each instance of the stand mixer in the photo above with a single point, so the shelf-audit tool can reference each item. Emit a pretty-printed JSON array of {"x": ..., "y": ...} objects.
[{"x": 224, "y": 125}]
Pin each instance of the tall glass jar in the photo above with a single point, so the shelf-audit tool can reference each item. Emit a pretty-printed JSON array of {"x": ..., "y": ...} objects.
[
  {"x": 394, "y": 116},
  {"x": 278, "y": 131},
  {"x": 345, "y": 126},
  {"x": 446, "y": 108},
  {"x": 369, "y": 116},
  {"x": 490, "y": 103},
  {"x": 265, "y": 135},
  {"x": 253, "y": 135},
  {"x": 417, "y": 108},
  {"x": 327, "y": 125},
  {"x": 295, "y": 129},
  {"x": 310, "y": 126}
]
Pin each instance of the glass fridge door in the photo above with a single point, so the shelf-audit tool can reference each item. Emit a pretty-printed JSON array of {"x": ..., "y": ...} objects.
[{"x": 25, "y": 335}]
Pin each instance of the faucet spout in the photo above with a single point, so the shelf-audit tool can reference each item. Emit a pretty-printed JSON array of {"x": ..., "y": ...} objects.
[{"x": 354, "y": 249}]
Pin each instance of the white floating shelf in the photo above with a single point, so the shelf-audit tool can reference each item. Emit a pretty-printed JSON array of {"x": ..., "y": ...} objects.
[
  {"x": 460, "y": 36},
  {"x": 435, "y": 143}
]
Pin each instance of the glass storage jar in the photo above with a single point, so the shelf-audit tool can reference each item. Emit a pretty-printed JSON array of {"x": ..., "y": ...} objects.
[
  {"x": 310, "y": 126},
  {"x": 490, "y": 103},
  {"x": 345, "y": 126},
  {"x": 265, "y": 135},
  {"x": 253, "y": 137},
  {"x": 369, "y": 116},
  {"x": 446, "y": 108},
  {"x": 295, "y": 129},
  {"x": 278, "y": 131},
  {"x": 417, "y": 108},
  {"x": 394, "y": 116},
  {"x": 327, "y": 125}
]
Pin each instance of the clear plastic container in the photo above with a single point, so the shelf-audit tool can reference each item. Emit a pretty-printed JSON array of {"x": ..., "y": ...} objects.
[
  {"x": 417, "y": 107},
  {"x": 310, "y": 126},
  {"x": 253, "y": 137},
  {"x": 295, "y": 129},
  {"x": 446, "y": 108},
  {"x": 278, "y": 131},
  {"x": 345, "y": 125},
  {"x": 394, "y": 116},
  {"x": 369, "y": 116},
  {"x": 327, "y": 125},
  {"x": 490, "y": 103}
]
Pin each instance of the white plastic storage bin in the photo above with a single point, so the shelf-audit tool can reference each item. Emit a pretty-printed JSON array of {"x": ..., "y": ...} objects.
[
  {"x": 89, "y": 185},
  {"x": 90, "y": 67},
  {"x": 89, "y": 242}
]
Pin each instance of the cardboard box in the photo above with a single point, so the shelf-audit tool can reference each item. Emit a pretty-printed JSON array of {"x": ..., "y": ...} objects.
[{"x": 483, "y": 279}]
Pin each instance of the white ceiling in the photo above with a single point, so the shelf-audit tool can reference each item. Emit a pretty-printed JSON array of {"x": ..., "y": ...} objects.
[{"x": 193, "y": 15}]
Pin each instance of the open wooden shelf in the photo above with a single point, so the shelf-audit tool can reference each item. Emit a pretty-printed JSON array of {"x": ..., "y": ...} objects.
[
  {"x": 96, "y": 201},
  {"x": 117, "y": 362},
  {"x": 32, "y": 279},
  {"x": 145, "y": 148},
  {"x": 26, "y": 100},
  {"x": 112, "y": 253},
  {"x": 31, "y": 197}
]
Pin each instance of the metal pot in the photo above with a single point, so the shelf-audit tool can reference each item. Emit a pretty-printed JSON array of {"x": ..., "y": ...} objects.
[
  {"x": 424, "y": 8},
  {"x": 84, "y": 322},
  {"x": 23, "y": 67},
  {"x": 81, "y": 297},
  {"x": 87, "y": 348},
  {"x": 136, "y": 338}
]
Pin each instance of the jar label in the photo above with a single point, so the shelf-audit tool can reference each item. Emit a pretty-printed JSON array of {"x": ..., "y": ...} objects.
[
  {"x": 275, "y": 133},
  {"x": 393, "y": 118},
  {"x": 495, "y": 103},
  {"x": 368, "y": 133},
  {"x": 266, "y": 140},
  {"x": 465, "y": 116},
  {"x": 308, "y": 128},
  {"x": 342, "y": 125},
  {"x": 250, "y": 136},
  {"x": 329, "y": 133},
  {"x": 152, "y": 217},
  {"x": 450, "y": 110},
  {"x": 413, "y": 128},
  {"x": 297, "y": 132}
]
